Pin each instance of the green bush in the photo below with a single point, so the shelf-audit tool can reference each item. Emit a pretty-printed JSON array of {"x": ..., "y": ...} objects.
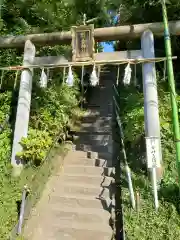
[
  {"x": 52, "y": 109},
  {"x": 9, "y": 188},
  {"x": 35, "y": 146},
  {"x": 147, "y": 224},
  {"x": 5, "y": 105}
]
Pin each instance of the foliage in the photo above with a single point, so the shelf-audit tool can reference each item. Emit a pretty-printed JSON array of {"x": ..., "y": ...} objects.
[
  {"x": 20, "y": 238},
  {"x": 8, "y": 194},
  {"x": 134, "y": 117},
  {"x": 5, "y": 105},
  {"x": 20, "y": 17},
  {"x": 141, "y": 11},
  {"x": 147, "y": 224},
  {"x": 54, "y": 107},
  {"x": 50, "y": 109},
  {"x": 35, "y": 147}
]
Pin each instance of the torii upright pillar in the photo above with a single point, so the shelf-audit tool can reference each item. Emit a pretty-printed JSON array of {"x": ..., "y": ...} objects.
[
  {"x": 151, "y": 110},
  {"x": 23, "y": 108}
]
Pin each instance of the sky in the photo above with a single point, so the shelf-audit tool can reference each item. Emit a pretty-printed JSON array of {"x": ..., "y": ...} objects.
[{"x": 108, "y": 47}]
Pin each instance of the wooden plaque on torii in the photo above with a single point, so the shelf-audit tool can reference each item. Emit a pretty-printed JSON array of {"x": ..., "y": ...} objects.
[{"x": 82, "y": 43}]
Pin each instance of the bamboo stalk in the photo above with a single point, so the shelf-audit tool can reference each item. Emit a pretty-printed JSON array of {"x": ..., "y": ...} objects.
[{"x": 172, "y": 87}]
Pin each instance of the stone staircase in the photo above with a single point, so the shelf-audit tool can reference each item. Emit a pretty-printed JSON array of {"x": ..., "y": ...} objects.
[{"x": 77, "y": 202}]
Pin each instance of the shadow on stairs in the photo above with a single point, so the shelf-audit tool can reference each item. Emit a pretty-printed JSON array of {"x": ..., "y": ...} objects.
[{"x": 77, "y": 202}]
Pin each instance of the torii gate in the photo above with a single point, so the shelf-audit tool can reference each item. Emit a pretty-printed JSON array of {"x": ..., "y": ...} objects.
[{"x": 152, "y": 125}]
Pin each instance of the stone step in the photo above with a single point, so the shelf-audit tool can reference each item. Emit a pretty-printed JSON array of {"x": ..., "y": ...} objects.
[
  {"x": 87, "y": 179},
  {"x": 101, "y": 163},
  {"x": 101, "y": 145},
  {"x": 91, "y": 114},
  {"x": 76, "y": 154},
  {"x": 62, "y": 230},
  {"x": 87, "y": 162},
  {"x": 79, "y": 215},
  {"x": 103, "y": 136},
  {"x": 83, "y": 170},
  {"x": 80, "y": 201},
  {"x": 83, "y": 189},
  {"x": 97, "y": 110},
  {"x": 106, "y": 156},
  {"x": 94, "y": 128}
]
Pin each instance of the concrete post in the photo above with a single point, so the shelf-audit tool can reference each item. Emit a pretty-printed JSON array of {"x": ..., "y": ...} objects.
[
  {"x": 151, "y": 112},
  {"x": 23, "y": 108}
]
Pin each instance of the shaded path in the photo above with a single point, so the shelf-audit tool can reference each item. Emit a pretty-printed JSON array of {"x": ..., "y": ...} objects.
[{"x": 76, "y": 203}]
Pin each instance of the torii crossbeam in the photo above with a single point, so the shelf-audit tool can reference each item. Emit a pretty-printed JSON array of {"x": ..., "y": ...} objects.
[{"x": 100, "y": 35}]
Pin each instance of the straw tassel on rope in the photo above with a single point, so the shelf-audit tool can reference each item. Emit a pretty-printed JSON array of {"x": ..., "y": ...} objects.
[
  {"x": 43, "y": 79},
  {"x": 127, "y": 75},
  {"x": 70, "y": 78},
  {"x": 94, "y": 79}
]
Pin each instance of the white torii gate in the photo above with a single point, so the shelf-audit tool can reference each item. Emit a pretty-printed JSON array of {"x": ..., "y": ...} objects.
[{"x": 152, "y": 125}]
